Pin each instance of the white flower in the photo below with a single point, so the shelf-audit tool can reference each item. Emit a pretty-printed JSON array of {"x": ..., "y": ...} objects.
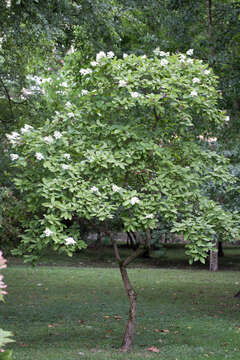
[
  {"x": 66, "y": 156},
  {"x": 68, "y": 104},
  {"x": 94, "y": 189},
  {"x": 125, "y": 56},
  {"x": 190, "y": 61},
  {"x": 190, "y": 52},
  {"x": 93, "y": 63},
  {"x": 163, "y": 53},
  {"x": 100, "y": 55},
  {"x": 57, "y": 135},
  {"x": 194, "y": 93},
  {"x": 115, "y": 188},
  {"x": 84, "y": 92},
  {"x": 64, "y": 84},
  {"x": 48, "y": 139},
  {"x": 134, "y": 200},
  {"x": 48, "y": 232},
  {"x": 65, "y": 166},
  {"x": 26, "y": 128},
  {"x": 71, "y": 114},
  {"x": 8, "y": 3},
  {"x": 122, "y": 83},
  {"x": 207, "y": 72},
  {"x": 144, "y": 56},
  {"x": 85, "y": 71},
  {"x": 14, "y": 157},
  {"x": 149, "y": 216},
  {"x": 39, "y": 156},
  {"x": 110, "y": 54},
  {"x": 14, "y": 137},
  {"x": 135, "y": 94},
  {"x": 70, "y": 241},
  {"x": 156, "y": 51},
  {"x": 163, "y": 62},
  {"x": 227, "y": 118},
  {"x": 196, "y": 80}
]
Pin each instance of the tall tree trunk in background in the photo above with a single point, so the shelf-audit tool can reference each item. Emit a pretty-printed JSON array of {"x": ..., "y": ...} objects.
[
  {"x": 213, "y": 260},
  {"x": 210, "y": 30}
]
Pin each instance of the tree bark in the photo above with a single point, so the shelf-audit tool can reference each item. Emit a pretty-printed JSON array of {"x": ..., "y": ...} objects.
[
  {"x": 213, "y": 261},
  {"x": 130, "y": 327}
]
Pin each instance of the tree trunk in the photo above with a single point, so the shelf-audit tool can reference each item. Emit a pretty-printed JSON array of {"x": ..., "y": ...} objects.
[
  {"x": 213, "y": 261},
  {"x": 131, "y": 323}
]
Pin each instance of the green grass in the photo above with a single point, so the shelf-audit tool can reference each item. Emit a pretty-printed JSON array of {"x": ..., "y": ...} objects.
[{"x": 77, "y": 312}]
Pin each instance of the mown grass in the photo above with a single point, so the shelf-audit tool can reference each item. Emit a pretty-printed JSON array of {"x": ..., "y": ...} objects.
[{"x": 77, "y": 312}]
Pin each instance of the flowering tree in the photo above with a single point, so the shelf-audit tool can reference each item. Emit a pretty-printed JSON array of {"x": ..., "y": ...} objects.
[{"x": 123, "y": 142}]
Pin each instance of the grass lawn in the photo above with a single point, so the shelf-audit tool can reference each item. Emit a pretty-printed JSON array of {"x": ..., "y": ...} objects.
[{"x": 67, "y": 311}]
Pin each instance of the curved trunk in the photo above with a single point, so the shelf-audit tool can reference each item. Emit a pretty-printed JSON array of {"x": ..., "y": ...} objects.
[{"x": 130, "y": 327}]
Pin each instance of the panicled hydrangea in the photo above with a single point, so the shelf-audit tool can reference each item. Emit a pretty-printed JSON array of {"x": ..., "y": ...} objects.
[
  {"x": 70, "y": 241},
  {"x": 122, "y": 83},
  {"x": 39, "y": 156},
  {"x": 115, "y": 188},
  {"x": 48, "y": 232},
  {"x": 134, "y": 200},
  {"x": 135, "y": 94},
  {"x": 94, "y": 189},
  {"x": 110, "y": 54},
  {"x": 189, "y": 52},
  {"x": 196, "y": 80},
  {"x": 194, "y": 93},
  {"x": 14, "y": 157},
  {"x": 100, "y": 55},
  {"x": 85, "y": 72},
  {"x": 48, "y": 139},
  {"x": 57, "y": 135}
]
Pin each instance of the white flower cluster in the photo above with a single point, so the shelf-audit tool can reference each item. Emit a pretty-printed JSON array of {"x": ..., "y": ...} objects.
[
  {"x": 149, "y": 216},
  {"x": 26, "y": 129},
  {"x": 163, "y": 62},
  {"x": 194, "y": 93},
  {"x": 158, "y": 52},
  {"x": 67, "y": 156},
  {"x": 57, "y": 135},
  {"x": 13, "y": 138},
  {"x": 39, "y": 156},
  {"x": 65, "y": 166},
  {"x": 196, "y": 80},
  {"x": 70, "y": 241},
  {"x": 48, "y": 232},
  {"x": 94, "y": 189},
  {"x": 189, "y": 52},
  {"x": 48, "y": 139},
  {"x": 134, "y": 200},
  {"x": 116, "y": 188},
  {"x": 122, "y": 83},
  {"x": 85, "y": 72},
  {"x": 14, "y": 157},
  {"x": 207, "y": 72},
  {"x": 135, "y": 94}
]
